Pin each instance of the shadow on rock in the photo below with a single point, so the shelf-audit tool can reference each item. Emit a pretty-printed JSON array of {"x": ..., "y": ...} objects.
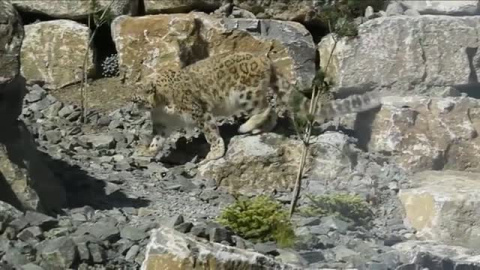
[{"x": 83, "y": 189}]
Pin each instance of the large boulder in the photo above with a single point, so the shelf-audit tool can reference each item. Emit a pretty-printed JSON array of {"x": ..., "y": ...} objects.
[
  {"x": 147, "y": 44},
  {"x": 68, "y": 39},
  {"x": 11, "y": 35},
  {"x": 442, "y": 7},
  {"x": 422, "y": 133},
  {"x": 445, "y": 206},
  {"x": 77, "y": 9},
  {"x": 405, "y": 54},
  {"x": 270, "y": 162},
  {"x": 169, "y": 249}
]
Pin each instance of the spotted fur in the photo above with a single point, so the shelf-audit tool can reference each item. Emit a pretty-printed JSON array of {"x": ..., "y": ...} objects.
[{"x": 225, "y": 85}]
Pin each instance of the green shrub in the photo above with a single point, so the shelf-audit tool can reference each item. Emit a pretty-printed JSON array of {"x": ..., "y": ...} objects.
[
  {"x": 345, "y": 206},
  {"x": 259, "y": 219}
]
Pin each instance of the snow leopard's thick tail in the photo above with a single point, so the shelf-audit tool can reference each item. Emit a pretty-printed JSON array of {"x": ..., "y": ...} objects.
[{"x": 327, "y": 107}]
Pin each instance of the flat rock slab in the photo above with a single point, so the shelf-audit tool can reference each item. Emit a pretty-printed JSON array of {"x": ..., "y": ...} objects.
[
  {"x": 68, "y": 39},
  {"x": 445, "y": 206}
]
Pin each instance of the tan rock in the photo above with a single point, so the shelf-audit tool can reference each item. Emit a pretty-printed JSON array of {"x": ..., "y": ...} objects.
[
  {"x": 77, "y": 9},
  {"x": 172, "y": 250},
  {"x": 11, "y": 31},
  {"x": 267, "y": 162},
  {"x": 405, "y": 53},
  {"x": 443, "y": 206},
  {"x": 147, "y": 44},
  {"x": 53, "y": 53},
  {"x": 425, "y": 133},
  {"x": 179, "y": 6}
]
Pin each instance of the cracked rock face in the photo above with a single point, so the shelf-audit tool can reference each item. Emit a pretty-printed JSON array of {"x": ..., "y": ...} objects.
[
  {"x": 406, "y": 54},
  {"x": 427, "y": 133}
]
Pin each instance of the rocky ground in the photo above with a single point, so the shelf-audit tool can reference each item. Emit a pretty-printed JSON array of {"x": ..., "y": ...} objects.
[{"x": 116, "y": 197}]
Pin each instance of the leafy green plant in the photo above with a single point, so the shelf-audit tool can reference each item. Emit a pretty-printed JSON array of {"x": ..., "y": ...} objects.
[
  {"x": 259, "y": 219},
  {"x": 345, "y": 206}
]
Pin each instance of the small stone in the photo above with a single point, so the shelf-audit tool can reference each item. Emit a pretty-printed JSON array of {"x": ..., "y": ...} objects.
[
  {"x": 174, "y": 221},
  {"x": 369, "y": 12},
  {"x": 30, "y": 266},
  {"x": 35, "y": 94},
  {"x": 65, "y": 111},
  {"x": 239, "y": 242},
  {"x": 313, "y": 256},
  {"x": 83, "y": 252},
  {"x": 30, "y": 233},
  {"x": 99, "y": 142},
  {"x": 53, "y": 110},
  {"x": 101, "y": 230},
  {"x": 209, "y": 194},
  {"x": 59, "y": 252},
  {"x": 335, "y": 223},
  {"x": 53, "y": 136},
  {"x": 199, "y": 231},
  {"x": 392, "y": 240},
  {"x": 132, "y": 253},
  {"x": 184, "y": 227},
  {"x": 97, "y": 253},
  {"x": 309, "y": 221},
  {"x": 133, "y": 233},
  {"x": 104, "y": 121},
  {"x": 218, "y": 235},
  {"x": 266, "y": 248},
  {"x": 38, "y": 219},
  {"x": 394, "y": 9}
]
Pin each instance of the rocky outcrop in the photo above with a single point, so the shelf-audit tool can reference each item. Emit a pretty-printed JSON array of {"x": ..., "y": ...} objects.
[
  {"x": 424, "y": 133},
  {"x": 169, "y": 249},
  {"x": 11, "y": 33},
  {"x": 77, "y": 9},
  {"x": 270, "y": 162},
  {"x": 443, "y": 206},
  {"x": 53, "y": 53},
  {"x": 147, "y": 44},
  {"x": 433, "y": 255},
  {"x": 406, "y": 54},
  {"x": 438, "y": 7}
]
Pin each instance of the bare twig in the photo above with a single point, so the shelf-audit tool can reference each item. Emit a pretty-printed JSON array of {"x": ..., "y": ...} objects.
[
  {"x": 84, "y": 82},
  {"x": 308, "y": 132}
]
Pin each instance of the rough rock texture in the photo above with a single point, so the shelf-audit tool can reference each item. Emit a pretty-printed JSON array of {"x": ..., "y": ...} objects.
[
  {"x": 53, "y": 53},
  {"x": 169, "y": 249},
  {"x": 11, "y": 33},
  {"x": 405, "y": 54},
  {"x": 179, "y": 6},
  {"x": 147, "y": 44},
  {"x": 424, "y": 133},
  {"x": 437, "y": 256},
  {"x": 444, "y": 206},
  {"x": 270, "y": 161},
  {"x": 76, "y": 9},
  {"x": 438, "y": 7}
]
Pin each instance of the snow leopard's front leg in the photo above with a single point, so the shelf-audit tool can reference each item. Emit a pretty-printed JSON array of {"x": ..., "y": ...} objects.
[{"x": 206, "y": 122}]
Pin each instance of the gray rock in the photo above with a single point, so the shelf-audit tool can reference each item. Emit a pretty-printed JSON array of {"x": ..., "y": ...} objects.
[
  {"x": 313, "y": 256},
  {"x": 220, "y": 234},
  {"x": 369, "y": 12},
  {"x": 30, "y": 233},
  {"x": 132, "y": 252},
  {"x": 97, "y": 253},
  {"x": 345, "y": 254},
  {"x": 133, "y": 233},
  {"x": 99, "y": 141},
  {"x": 394, "y": 9},
  {"x": 31, "y": 266},
  {"x": 335, "y": 223},
  {"x": 66, "y": 111},
  {"x": 53, "y": 110},
  {"x": 411, "y": 12},
  {"x": 15, "y": 257},
  {"x": 309, "y": 221},
  {"x": 38, "y": 219},
  {"x": 59, "y": 253},
  {"x": 184, "y": 227},
  {"x": 35, "y": 93},
  {"x": 266, "y": 248},
  {"x": 54, "y": 136},
  {"x": 83, "y": 251},
  {"x": 199, "y": 230},
  {"x": 101, "y": 230},
  {"x": 8, "y": 212},
  {"x": 174, "y": 221}
]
